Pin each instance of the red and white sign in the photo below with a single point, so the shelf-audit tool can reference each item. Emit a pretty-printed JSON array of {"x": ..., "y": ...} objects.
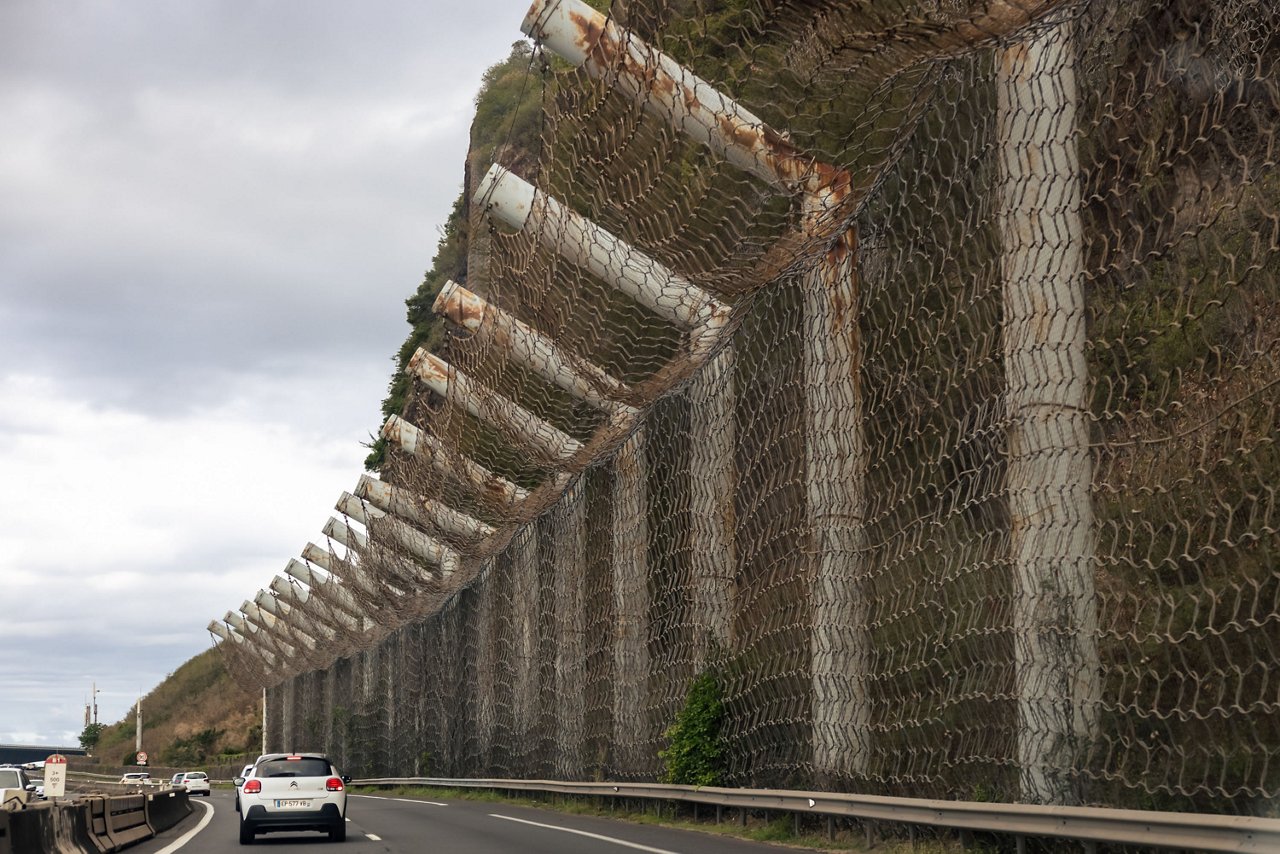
[
  {"x": 55, "y": 776},
  {"x": 142, "y": 757}
]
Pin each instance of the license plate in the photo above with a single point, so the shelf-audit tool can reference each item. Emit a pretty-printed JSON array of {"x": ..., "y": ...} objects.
[{"x": 292, "y": 805}]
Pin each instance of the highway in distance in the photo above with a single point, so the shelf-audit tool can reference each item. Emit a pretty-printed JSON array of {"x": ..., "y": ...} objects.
[{"x": 402, "y": 826}]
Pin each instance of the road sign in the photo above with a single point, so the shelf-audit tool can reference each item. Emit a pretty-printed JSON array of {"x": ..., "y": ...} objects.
[
  {"x": 55, "y": 776},
  {"x": 142, "y": 757}
]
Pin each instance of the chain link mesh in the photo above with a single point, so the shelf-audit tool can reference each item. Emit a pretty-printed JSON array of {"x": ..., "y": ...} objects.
[{"x": 974, "y": 495}]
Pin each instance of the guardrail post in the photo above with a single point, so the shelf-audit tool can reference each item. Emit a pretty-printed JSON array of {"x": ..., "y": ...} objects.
[
  {"x": 631, "y": 735},
  {"x": 1050, "y": 471}
]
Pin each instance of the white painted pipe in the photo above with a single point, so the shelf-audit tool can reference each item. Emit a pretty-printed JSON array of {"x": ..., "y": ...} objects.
[
  {"x": 529, "y": 347},
  {"x": 340, "y": 532},
  {"x": 299, "y": 597},
  {"x": 420, "y": 511},
  {"x": 670, "y": 296},
  {"x": 256, "y": 633},
  {"x": 534, "y": 433},
  {"x": 330, "y": 589},
  {"x": 445, "y": 461},
  {"x": 429, "y": 549}
]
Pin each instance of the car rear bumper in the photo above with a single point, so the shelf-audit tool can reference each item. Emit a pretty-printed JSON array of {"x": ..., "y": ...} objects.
[{"x": 260, "y": 820}]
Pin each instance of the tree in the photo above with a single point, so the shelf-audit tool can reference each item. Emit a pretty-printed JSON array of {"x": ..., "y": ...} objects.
[{"x": 89, "y": 738}]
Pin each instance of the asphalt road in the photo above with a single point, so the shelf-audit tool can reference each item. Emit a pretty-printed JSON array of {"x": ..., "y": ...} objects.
[{"x": 383, "y": 824}]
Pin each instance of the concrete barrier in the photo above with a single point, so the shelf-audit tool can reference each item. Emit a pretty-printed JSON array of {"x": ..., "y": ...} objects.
[
  {"x": 127, "y": 820},
  {"x": 165, "y": 809},
  {"x": 50, "y": 827},
  {"x": 91, "y": 825}
]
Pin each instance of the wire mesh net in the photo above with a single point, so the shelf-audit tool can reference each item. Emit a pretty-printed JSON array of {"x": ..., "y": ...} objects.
[{"x": 912, "y": 368}]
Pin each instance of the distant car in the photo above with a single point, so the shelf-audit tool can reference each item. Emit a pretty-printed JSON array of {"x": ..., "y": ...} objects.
[
  {"x": 293, "y": 791},
  {"x": 195, "y": 782},
  {"x": 136, "y": 778}
]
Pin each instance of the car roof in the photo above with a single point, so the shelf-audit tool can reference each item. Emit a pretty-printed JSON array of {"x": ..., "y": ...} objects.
[{"x": 269, "y": 757}]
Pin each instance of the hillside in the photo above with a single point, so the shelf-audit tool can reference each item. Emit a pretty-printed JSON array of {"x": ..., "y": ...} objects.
[{"x": 196, "y": 716}]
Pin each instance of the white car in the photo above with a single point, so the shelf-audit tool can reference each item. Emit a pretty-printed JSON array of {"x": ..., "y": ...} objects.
[
  {"x": 15, "y": 787},
  {"x": 245, "y": 773},
  {"x": 136, "y": 778},
  {"x": 293, "y": 791},
  {"x": 195, "y": 782}
]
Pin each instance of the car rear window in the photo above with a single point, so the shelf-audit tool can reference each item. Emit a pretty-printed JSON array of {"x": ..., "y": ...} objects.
[
  {"x": 304, "y": 767},
  {"x": 199, "y": 775},
  {"x": 9, "y": 779}
]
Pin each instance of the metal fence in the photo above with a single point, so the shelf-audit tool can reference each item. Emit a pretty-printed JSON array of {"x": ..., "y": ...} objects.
[{"x": 911, "y": 366}]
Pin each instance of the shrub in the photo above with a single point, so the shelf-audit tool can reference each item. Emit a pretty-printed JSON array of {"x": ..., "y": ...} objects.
[{"x": 696, "y": 752}]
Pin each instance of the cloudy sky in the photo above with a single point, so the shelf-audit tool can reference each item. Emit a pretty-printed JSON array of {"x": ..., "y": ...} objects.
[{"x": 211, "y": 212}]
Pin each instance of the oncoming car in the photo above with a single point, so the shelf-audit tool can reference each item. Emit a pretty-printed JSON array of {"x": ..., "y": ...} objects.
[
  {"x": 195, "y": 782},
  {"x": 293, "y": 791}
]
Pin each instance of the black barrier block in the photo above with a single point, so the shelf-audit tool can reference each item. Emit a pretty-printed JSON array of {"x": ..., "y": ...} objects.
[
  {"x": 165, "y": 809},
  {"x": 5, "y": 839}
]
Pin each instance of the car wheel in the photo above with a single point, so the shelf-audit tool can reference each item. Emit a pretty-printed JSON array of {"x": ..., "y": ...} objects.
[
  {"x": 246, "y": 834},
  {"x": 338, "y": 833}
]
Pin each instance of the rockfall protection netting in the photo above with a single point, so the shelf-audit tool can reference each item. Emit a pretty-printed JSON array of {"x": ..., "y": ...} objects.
[{"x": 915, "y": 370}]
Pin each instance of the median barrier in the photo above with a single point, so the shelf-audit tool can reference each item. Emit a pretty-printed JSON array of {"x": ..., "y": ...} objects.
[
  {"x": 5, "y": 839},
  {"x": 127, "y": 820},
  {"x": 165, "y": 809},
  {"x": 50, "y": 827}
]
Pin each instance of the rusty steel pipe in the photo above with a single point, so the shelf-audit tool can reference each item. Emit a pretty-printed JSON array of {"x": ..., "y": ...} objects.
[
  {"x": 531, "y": 348},
  {"x": 578, "y": 33},
  {"x": 670, "y": 296},
  {"x": 496, "y": 491},
  {"x": 536, "y": 435},
  {"x": 420, "y": 511}
]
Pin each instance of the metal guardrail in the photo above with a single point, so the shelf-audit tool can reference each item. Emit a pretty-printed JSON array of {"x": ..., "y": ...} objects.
[{"x": 1190, "y": 831}]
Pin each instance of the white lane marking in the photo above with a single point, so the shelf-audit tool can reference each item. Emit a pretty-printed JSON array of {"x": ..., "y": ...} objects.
[
  {"x": 186, "y": 837},
  {"x": 374, "y": 838},
  {"x": 401, "y": 800},
  {"x": 622, "y": 842}
]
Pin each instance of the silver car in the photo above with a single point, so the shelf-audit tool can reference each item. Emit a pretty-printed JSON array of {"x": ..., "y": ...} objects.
[{"x": 293, "y": 791}]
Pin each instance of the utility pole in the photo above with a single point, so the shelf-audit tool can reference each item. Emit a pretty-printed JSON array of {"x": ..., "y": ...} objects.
[
  {"x": 95, "y": 702},
  {"x": 138, "y": 738}
]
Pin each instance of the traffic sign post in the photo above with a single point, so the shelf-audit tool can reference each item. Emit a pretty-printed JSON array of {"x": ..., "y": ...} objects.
[
  {"x": 55, "y": 776},
  {"x": 142, "y": 757}
]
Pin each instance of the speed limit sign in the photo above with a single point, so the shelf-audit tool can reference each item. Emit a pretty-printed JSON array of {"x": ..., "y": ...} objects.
[{"x": 142, "y": 757}]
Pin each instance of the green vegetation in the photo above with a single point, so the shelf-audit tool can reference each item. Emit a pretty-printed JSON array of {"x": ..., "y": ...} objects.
[
  {"x": 90, "y": 737},
  {"x": 696, "y": 752},
  {"x": 508, "y": 113}
]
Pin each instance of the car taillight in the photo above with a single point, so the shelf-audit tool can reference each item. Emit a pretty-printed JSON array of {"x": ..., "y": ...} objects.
[
  {"x": 252, "y": 787},
  {"x": 333, "y": 784}
]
